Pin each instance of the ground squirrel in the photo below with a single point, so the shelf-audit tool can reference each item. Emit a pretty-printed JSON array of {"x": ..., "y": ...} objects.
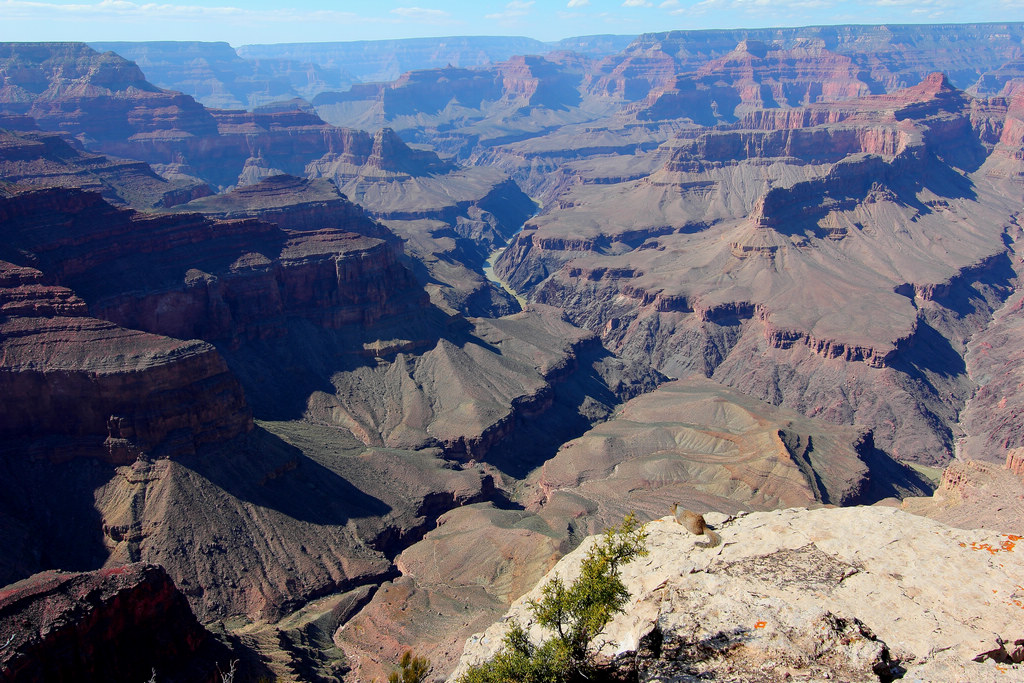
[{"x": 695, "y": 524}]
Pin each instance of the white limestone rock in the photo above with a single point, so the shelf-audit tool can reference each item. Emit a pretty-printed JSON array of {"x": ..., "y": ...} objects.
[{"x": 827, "y": 594}]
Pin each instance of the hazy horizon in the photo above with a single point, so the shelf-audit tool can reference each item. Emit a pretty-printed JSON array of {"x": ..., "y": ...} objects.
[{"x": 263, "y": 21}]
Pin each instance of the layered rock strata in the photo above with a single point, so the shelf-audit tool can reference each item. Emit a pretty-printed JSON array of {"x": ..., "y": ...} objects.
[
  {"x": 81, "y": 385},
  {"x": 328, "y": 318},
  {"x": 705, "y": 446},
  {"x": 188, "y": 277},
  {"x": 292, "y": 203},
  {"x": 884, "y": 58},
  {"x": 216, "y": 76},
  {"x": 629, "y": 103},
  {"x": 451, "y": 217},
  {"x": 1015, "y": 461},
  {"x": 471, "y": 391},
  {"x": 908, "y": 169},
  {"x": 36, "y": 159},
  {"x": 109, "y": 390},
  {"x": 692, "y": 442},
  {"x": 123, "y": 623},
  {"x": 975, "y": 494}
]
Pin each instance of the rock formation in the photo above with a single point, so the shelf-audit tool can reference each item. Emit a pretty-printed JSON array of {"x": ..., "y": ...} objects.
[
  {"x": 124, "y": 623},
  {"x": 859, "y": 594},
  {"x": 805, "y": 217},
  {"x": 146, "y": 272},
  {"x": 451, "y": 217},
  {"x": 385, "y": 60},
  {"x": 691, "y": 441},
  {"x": 975, "y": 494},
  {"x": 295, "y": 312},
  {"x": 110, "y": 391},
  {"x": 707, "y": 447},
  {"x": 216, "y": 76},
  {"x": 32, "y": 158},
  {"x": 893, "y": 170},
  {"x": 889, "y": 57},
  {"x": 298, "y": 204},
  {"x": 95, "y": 97},
  {"x": 1015, "y": 461}
]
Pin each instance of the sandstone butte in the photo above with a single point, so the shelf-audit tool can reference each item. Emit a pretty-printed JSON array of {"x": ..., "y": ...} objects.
[{"x": 258, "y": 349}]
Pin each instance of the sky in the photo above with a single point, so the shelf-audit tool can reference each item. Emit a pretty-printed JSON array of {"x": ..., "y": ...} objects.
[{"x": 241, "y": 22}]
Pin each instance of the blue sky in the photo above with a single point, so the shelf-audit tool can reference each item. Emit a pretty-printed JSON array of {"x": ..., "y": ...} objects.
[{"x": 264, "y": 21}]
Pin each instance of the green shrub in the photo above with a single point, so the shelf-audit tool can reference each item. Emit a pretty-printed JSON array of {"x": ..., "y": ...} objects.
[
  {"x": 413, "y": 669},
  {"x": 576, "y": 614}
]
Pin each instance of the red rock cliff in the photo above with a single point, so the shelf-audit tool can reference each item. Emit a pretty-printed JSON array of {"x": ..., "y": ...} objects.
[
  {"x": 103, "y": 389},
  {"x": 186, "y": 276},
  {"x": 117, "y": 624}
]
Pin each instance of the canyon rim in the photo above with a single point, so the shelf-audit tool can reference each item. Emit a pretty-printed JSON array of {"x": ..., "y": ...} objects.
[{"x": 315, "y": 353}]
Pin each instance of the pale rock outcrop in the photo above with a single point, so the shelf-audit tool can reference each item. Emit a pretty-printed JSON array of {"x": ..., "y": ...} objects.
[
  {"x": 862, "y": 593},
  {"x": 975, "y": 494},
  {"x": 1015, "y": 461}
]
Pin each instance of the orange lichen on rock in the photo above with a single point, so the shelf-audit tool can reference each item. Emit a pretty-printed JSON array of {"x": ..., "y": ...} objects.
[{"x": 1006, "y": 546}]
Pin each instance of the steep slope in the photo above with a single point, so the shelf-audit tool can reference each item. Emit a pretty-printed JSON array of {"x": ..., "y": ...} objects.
[
  {"x": 834, "y": 253},
  {"x": 185, "y": 276},
  {"x": 324, "y": 324},
  {"x": 975, "y": 494},
  {"x": 886, "y": 204},
  {"x": 111, "y": 392},
  {"x": 124, "y": 624},
  {"x": 32, "y": 158},
  {"x": 689, "y": 441},
  {"x": 216, "y": 76},
  {"x": 96, "y": 97},
  {"x": 889, "y": 56},
  {"x": 755, "y": 75},
  {"x": 293, "y": 204},
  {"x": 451, "y": 217},
  {"x": 79, "y": 386},
  {"x": 698, "y": 443},
  {"x": 622, "y": 103}
]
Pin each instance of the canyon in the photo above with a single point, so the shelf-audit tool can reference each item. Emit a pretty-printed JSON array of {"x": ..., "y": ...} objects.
[{"x": 251, "y": 354}]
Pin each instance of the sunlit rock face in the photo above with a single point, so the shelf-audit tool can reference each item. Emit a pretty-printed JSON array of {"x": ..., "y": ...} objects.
[
  {"x": 853, "y": 593},
  {"x": 806, "y": 259},
  {"x": 303, "y": 397}
]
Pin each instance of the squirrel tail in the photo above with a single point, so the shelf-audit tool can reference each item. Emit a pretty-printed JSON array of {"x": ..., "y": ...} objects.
[{"x": 714, "y": 539}]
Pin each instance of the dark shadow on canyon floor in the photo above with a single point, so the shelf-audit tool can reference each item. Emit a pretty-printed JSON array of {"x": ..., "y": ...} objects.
[
  {"x": 267, "y": 471},
  {"x": 48, "y": 518}
]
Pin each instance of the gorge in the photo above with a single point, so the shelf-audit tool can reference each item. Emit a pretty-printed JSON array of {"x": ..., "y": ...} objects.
[{"x": 347, "y": 366}]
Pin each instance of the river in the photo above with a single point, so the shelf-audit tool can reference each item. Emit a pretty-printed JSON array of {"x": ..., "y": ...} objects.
[{"x": 489, "y": 269}]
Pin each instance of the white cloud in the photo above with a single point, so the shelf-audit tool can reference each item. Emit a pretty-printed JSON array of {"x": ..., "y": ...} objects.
[
  {"x": 578, "y": 3},
  {"x": 669, "y": 3},
  {"x": 421, "y": 14},
  {"x": 131, "y": 11},
  {"x": 765, "y": 7},
  {"x": 513, "y": 10},
  {"x": 636, "y": 3}
]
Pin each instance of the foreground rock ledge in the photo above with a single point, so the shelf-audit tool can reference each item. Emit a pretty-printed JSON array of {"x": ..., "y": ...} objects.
[
  {"x": 115, "y": 624},
  {"x": 846, "y": 593}
]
